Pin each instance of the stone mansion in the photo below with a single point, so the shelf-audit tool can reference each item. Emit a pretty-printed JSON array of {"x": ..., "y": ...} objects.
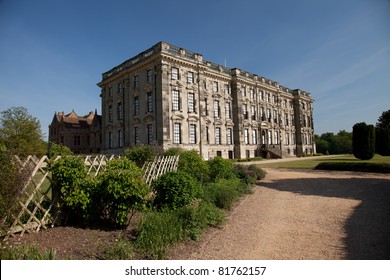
[{"x": 172, "y": 97}]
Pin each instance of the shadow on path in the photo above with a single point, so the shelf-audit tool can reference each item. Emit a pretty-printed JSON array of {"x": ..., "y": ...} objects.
[{"x": 368, "y": 228}]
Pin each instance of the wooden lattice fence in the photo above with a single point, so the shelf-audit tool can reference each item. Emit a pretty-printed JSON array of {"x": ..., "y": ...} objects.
[{"x": 38, "y": 200}]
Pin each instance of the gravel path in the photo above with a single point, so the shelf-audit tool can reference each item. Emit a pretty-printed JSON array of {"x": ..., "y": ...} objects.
[{"x": 304, "y": 215}]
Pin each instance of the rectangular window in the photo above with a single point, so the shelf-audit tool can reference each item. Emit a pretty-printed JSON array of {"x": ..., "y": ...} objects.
[
  {"x": 227, "y": 88},
  {"x": 149, "y": 98},
  {"x": 218, "y": 136},
  {"x": 287, "y": 139},
  {"x": 110, "y": 113},
  {"x": 192, "y": 133},
  {"x": 150, "y": 133},
  {"x": 175, "y": 73},
  {"x": 293, "y": 138},
  {"x": 110, "y": 91},
  {"x": 275, "y": 116},
  {"x": 243, "y": 89},
  {"x": 254, "y": 137},
  {"x": 76, "y": 140},
  {"x": 206, "y": 107},
  {"x": 252, "y": 93},
  {"x": 177, "y": 133},
  {"x": 119, "y": 87},
  {"x": 207, "y": 135},
  {"x": 190, "y": 77},
  {"x": 276, "y": 137},
  {"x": 262, "y": 113},
  {"x": 149, "y": 76},
  {"x": 119, "y": 138},
  {"x": 191, "y": 102},
  {"x": 120, "y": 111},
  {"x": 229, "y": 136},
  {"x": 253, "y": 112},
  {"x": 136, "y": 81},
  {"x": 244, "y": 111},
  {"x": 136, "y": 135},
  {"x": 227, "y": 110},
  {"x": 109, "y": 139},
  {"x": 217, "y": 109},
  {"x": 286, "y": 119},
  {"x": 136, "y": 105},
  {"x": 175, "y": 100},
  {"x": 269, "y": 115},
  {"x": 215, "y": 86},
  {"x": 246, "y": 136}
]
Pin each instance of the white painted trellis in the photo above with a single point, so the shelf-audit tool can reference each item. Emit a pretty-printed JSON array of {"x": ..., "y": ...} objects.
[{"x": 38, "y": 199}]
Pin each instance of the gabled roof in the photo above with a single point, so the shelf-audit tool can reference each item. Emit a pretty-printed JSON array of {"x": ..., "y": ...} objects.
[{"x": 73, "y": 119}]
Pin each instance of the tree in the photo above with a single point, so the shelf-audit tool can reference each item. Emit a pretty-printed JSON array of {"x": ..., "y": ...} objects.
[
  {"x": 384, "y": 120},
  {"x": 21, "y": 133},
  {"x": 363, "y": 141},
  {"x": 383, "y": 134}
]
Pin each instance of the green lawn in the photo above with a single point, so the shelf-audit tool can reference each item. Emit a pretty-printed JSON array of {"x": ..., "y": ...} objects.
[{"x": 311, "y": 162}]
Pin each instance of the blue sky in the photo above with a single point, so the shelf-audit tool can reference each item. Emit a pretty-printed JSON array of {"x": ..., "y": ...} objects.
[{"x": 53, "y": 52}]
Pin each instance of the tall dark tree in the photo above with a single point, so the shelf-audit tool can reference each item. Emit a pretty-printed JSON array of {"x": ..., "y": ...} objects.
[
  {"x": 384, "y": 120},
  {"x": 21, "y": 133},
  {"x": 363, "y": 141},
  {"x": 383, "y": 141}
]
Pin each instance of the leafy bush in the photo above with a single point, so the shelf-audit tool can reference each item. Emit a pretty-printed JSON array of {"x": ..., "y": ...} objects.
[
  {"x": 141, "y": 154},
  {"x": 256, "y": 172},
  {"x": 111, "y": 195},
  {"x": 363, "y": 141},
  {"x": 122, "y": 190},
  {"x": 175, "y": 190},
  {"x": 58, "y": 150},
  {"x": 69, "y": 175},
  {"x": 174, "y": 151},
  {"x": 195, "y": 218},
  {"x": 355, "y": 166},
  {"x": 192, "y": 163},
  {"x": 220, "y": 168},
  {"x": 224, "y": 193},
  {"x": 221, "y": 195}
]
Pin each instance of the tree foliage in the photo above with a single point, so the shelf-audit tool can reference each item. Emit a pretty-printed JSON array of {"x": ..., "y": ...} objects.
[
  {"x": 329, "y": 143},
  {"x": 21, "y": 133},
  {"x": 384, "y": 120},
  {"x": 363, "y": 140}
]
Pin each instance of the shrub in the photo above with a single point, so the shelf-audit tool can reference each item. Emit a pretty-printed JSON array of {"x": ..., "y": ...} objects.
[
  {"x": 355, "y": 166},
  {"x": 141, "y": 154},
  {"x": 256, "y": 172},
  {"x": 221, "y": 195},
  {"x": 174, "y": 151},
  {"x": 157, "y": 231},
  {"x": 122, "y": 190},
  {"x": 175, "y": 190},
  {"x": 220, "y": 169},
  {"x": 69, "y": 175},
  {"x": 192, "y": 163},
  {"x": 383, "y": 141},
  {"x": 195, "y": 218},
  {"x": 363, "y": 141},
  {"x": 58, "y": 150}
]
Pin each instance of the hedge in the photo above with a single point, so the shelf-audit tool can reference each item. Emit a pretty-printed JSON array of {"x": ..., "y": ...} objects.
[{"x": 355, "y": 166}]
